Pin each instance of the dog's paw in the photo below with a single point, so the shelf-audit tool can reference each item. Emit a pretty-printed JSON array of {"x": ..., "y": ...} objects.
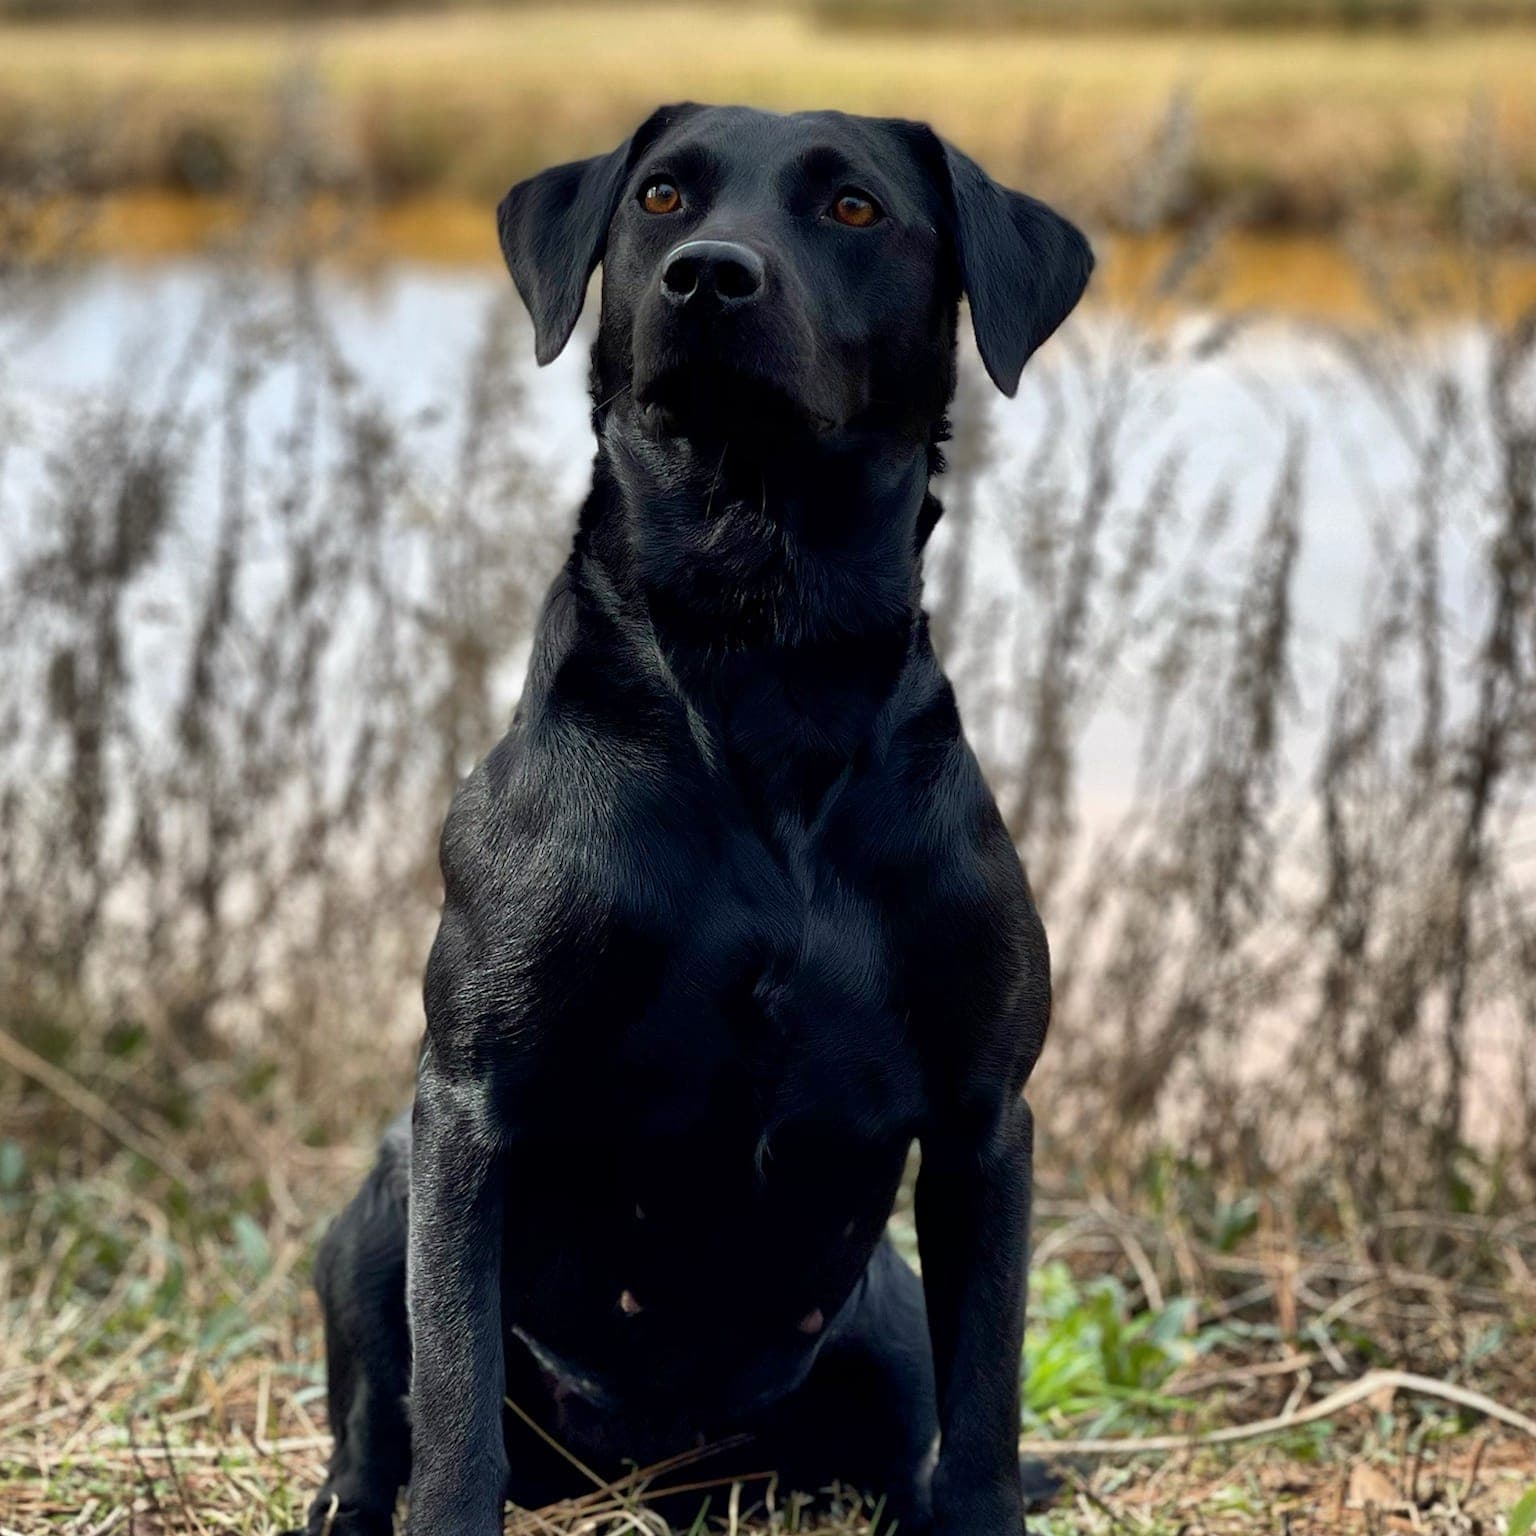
[
  {"x": 328, "y": 1517},
  {"x": 1042, "y": 1483},
  {"x": 904, "y": 1511},
  {"x": 977, "y": 1507}
]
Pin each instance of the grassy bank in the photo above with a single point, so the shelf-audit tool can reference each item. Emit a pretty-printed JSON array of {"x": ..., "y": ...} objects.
[
  {"x": 1297, "y": 128},
  {"x": 160, "y": 1363}
]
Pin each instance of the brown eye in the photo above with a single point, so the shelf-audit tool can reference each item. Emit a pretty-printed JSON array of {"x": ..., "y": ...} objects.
[
  {"x": 661, "y": 197},
  {"x": 855, "y": 210}
]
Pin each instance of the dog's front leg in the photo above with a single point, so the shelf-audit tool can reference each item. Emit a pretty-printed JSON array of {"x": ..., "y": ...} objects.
[
  {"x": 973, "y": 1194},
  {"x": 458, "y": 1376}
]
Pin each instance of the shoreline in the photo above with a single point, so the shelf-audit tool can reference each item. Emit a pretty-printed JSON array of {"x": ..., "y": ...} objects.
[{"x": 1300, "y": 275}]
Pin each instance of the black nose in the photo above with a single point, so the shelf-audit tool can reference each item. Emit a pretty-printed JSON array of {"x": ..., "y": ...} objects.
[{"x": 728, "y": 273}]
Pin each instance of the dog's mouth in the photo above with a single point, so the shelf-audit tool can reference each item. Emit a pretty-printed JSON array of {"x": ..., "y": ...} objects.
[{"x": 689, "y": 398}]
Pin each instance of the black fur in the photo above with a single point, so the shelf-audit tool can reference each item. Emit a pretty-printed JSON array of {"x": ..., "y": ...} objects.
[{"x": 730, "y": 917}]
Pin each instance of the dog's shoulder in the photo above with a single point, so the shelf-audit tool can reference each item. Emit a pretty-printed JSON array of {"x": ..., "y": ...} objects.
[
  {"x": 588, "y": 740},
  {"x": 566, "y": 848},
  {"x": 920, "y": 800},
  {"x": 923, "y": 828}
]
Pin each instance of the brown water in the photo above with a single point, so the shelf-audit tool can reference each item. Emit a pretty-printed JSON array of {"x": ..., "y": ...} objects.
[{"x": 1307, "y": 276}]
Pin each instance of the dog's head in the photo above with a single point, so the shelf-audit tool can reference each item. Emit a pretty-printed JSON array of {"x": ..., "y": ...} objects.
[{"x": 795, "y": 273}]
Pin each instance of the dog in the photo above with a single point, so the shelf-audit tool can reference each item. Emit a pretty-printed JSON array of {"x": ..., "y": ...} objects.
[{"x": 731, "y": 921}]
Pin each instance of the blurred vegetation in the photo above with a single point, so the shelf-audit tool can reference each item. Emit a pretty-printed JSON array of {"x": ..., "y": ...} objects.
[
  {"x": 1261, "y": 15},
  {"x": 926, "y": 14},
  {"x": 239, "y": 658},
  {"x": 1280, "y": 130}
]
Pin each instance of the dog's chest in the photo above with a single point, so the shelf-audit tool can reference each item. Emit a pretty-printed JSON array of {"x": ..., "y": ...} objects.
[
  {"x": 755, "y": 1106},
  {"x": 758, "y": 1052},
  {"x": 779, "y": 998}
]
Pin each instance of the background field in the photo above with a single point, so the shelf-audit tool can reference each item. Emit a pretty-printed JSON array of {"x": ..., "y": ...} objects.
[
  {"x": 1239, "y": 597},
  {"x": 1300, "y": 128}
]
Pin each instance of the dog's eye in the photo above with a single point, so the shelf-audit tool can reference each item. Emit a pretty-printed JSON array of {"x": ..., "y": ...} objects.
[
  {"x": 854, "y": 209},
  {"x": 661, "y": 197}
]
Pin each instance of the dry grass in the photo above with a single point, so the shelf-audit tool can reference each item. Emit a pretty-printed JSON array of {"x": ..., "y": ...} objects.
[
  {"x": 160, "y": 1367},
  {"x": 1307, "y": 128}
]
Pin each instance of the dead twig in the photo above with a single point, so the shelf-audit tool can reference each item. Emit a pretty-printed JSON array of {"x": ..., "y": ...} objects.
[
  {"x": 1356, "y": 1392},
  {"x": 90, "y": 1107}
]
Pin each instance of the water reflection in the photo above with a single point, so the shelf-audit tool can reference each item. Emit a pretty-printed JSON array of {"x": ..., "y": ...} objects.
[{"x": 1223, "y": 398}]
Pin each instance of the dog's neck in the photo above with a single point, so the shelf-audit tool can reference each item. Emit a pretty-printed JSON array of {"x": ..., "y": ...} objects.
[
  {"x": 780, "y": 590},
  {"x": 735, "y": 548}
]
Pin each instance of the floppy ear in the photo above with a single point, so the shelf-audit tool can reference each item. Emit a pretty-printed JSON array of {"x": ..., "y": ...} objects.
[
  {"x": 1022, "y": 265},
  {"x": 553, "y": 228}
]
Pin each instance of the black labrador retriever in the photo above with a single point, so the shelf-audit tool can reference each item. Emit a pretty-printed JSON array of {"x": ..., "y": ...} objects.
[{"x": 731, "y": 918}]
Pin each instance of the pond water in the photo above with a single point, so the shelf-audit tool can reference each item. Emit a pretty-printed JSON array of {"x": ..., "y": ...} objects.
[{"x": 1226, "y": 398}]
